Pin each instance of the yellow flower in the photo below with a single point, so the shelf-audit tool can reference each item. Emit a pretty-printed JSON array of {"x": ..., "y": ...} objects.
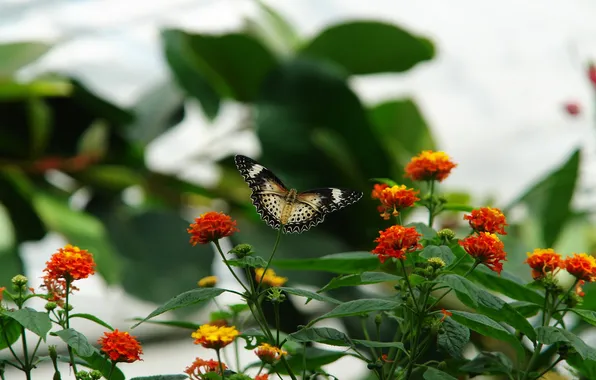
[
  {"x": 269, "y": 277},
  {"x": 207, "y": 282},
  {"x": 269, "y": 354},
  {"x": 216, "y": 337}
]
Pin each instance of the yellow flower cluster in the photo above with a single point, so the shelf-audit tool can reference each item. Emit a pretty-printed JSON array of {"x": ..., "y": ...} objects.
[
  {"x": 216, "y": 337},
  {"x": 269, "y": 277}
]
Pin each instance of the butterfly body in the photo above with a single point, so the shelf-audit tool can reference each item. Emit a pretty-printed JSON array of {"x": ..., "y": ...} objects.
[{"x": 295, "y": 211}]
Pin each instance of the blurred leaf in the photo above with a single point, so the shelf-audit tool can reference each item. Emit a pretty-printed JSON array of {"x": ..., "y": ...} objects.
[
  {"x": 40, "y": 125},
  {"x": 99, "y": 106},
  {"x": 76, "y": 340},
  {"x": 315, "y": 358},
  {"x": 180, "y": 324},
  {"x": 112, "y": 177},
  {"x": 549, "y": 200},
  {"x": 10, "y": 90},
  {"x": 249, "y": 262},
  {"x": 370, "y": 47},
  {"x": 10, "y": 331},
  {"x": 185, "y": 299},
  {"x": 35, "y": 321},
  {"x": 10, "y": 264},
  {"x": 274, "y": 30},
  {"x": 18, "y": 54},
  {"x": 358, "y": 307},
  {"x": 310, "y": 295},
  {"x": 364, "y": 278},
  {"x": 92, "y": 318},
  {"x": 428, "y": 233},
  {"x": 587, "y": 315},
  {"x": 435, "y": 374},
  {"x": 325, "y": 335},
  {"x": 550, "y": 335},
  {"x": 94, "y": 141},
  {"x": 83, "y": 230},
  {"x": 386, "y": 181},
  {"x": 348, "y": 262},
  {"x": 453, "y": 337},
  {"x": 489, "y": 363}
]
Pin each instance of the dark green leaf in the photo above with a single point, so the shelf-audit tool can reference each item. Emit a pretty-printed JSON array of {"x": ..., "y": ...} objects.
[
  {"x": 183, "y": 300},
  {"x": 358, "y": 307},
  {"x": 315, "y": 359},
  {"x": 551, "y": 335},
  {"x": 416, "y": 279},
  {"x": 10, "y": 261},
  {"x": 527, "y": 309},
  {"x": 435, "y": 374},
  {"x": 364, "y": 278},
  {"x": 181, "y": 324},
  {"x": 443, "y": 252},
  {"x": 369, "y": 47},
  {"x": 325, "y": 335},
  {"x": 10, "y": 331},
  {"x": 238, "y": 308},
  {"x": 488, "y": 304},
  {"x": 104, "y": 365},
  {"x": 92, "y": 318},
  {"x": 453, "y": 337},
  {"x": 587, "y": 315},
  {"x": 310, "y": 295},
  {"x": 18, "y": 54},
  {"x": 274, "y": 29},
  {"x": 40, "y": 125},
  {"x": 349, "y": 262},
  {"x": 113, "y": 177},
  {"x": 34, "y": 321},
  {"x": 489, "y": 363},
  {"x": 386, "y": 181},
  {"x": 375, "y": 344},
  {"x": 161, "y": 377},
  {"x": 249, "y": 262},
  {"x": 586, "y": 368},
  {"x": 426, "y": 232},
  {"x": 77, "y": 341}
]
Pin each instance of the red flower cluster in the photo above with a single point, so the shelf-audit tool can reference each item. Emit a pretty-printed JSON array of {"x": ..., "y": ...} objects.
[
  {"x": 70, "y": 263},
  {"x": 120, "y": 346},
  {"x": 543, "y": 261},
  {"x": 394, "y": 199},
  {"x": 199, "y": 368},
  {"x": 264, "y": 376},
  {"x": 487, "y": 219},
  {"x": 211, "y": 226},
  {"x": 581, "y": 266},
  {"x": 592, "y": 73},
  {"x": 430, "y": 166},
  {"x": 487, "y": 249},
  {"x": 396, "y": 241}
]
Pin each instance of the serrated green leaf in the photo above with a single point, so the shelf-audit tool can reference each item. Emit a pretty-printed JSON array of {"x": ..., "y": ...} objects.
[
  {"x": 365, "y": 278},
  {"x": 358, "y": 307},
  {"x": 77, "y": 341},
  {"x": 587, "y": 315},
  {"x": 427, "y": 232},
  {"x": 325, "y": 335},
  {"x": 489, "y": 363},
  {"x": 550, "y": 335},
  {"x": 443, "y": 252},
  {"x": 249, "y": 262},
  {"x": 527, "y": 309},
  {"x": 435, "y": 374},
  {"x": 453, "y": 337},
  {"x": 310, "y": 295},
  {"x": 346, "y": 263},
  {"x": 416, "y": 279},
  {"x": 34, "y": 321}
]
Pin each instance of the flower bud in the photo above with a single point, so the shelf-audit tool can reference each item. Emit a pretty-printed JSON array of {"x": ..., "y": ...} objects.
[
  {"x": 95, "y": 374},
  {"x": 378, "y": 319},
  {"x": 436, "y": 262},
  {"x": 275, "y": 295},
  {"x": 446, "y": 234},
  {"x": 50, "y": 306},
  {"x": 19, "y": 281},
  {"x": 242, "y": 250}
]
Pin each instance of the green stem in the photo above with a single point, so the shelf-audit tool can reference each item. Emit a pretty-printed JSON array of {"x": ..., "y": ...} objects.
[
  {"x": 373, "y": 350},
  {"x": 403, "y": 267},
  {"x": 277, "y": 239},
  {"x": 476, "y": 263},
  {"x": 223, "y": 257},
  {"x": 22, "y": 368},
  {"x": 36, "y": 348},
  {"x": 27, "y": 365},
  {"x": 111, "y": 370},
  {"x": 221, "y": 370},
  {"x": 66, "y": 316},
  {"x": 545, "y": 322},
  {"x": 549, "y": 368},
  {"x": 431, "y": 207},
  {"x": 277, "y": 322}
]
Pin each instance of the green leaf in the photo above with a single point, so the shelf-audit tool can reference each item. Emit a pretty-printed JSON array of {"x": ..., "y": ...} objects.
[
  {"x": 549, "y": 200},
  {"x": 487, "y": 327},
  {"x": 181, "y": 324},
  {"x": 453, "y": 337},
  {"x": 486, "y": 303},
  {"x": 427, "y": 232},
  {"x": 365, "y": 278},
  {"x": 325, "y": 335},
  {"x": 161, "y": 377},
  {"x": 587, "y": 315},
  {"x": 386, "y": 181},
  {"x": 369, "y": 47},
  {"x": 92, "y": 318},
  {"x": 375, "y": 344},
  {"x": 238, "y": 308},
  {"x": 551, "y": 335},
  {"x": 183, "y": 300},
  {"x": 274, "y": 30},
  {"x": 416, "y": 279},
  {"x": 18, "y": 54},
  {"x": 310, "y": 295},
  {"x": 527, "y": 309},
  {"x": 40, "y": 125},
  {"x": 10, "y": 331},
  {"x": 586, "y": 368},
  {"x": 113, "y": 177},
  {"x": 77, "y": 341},
  {"x": 358, "y": 307},
  {"x": 435, "y": 374},
  {"x": 12, "y": 90},
  {"x": 34, "y": 321},
  {"x": 488, "y": 363},
  {"x": 315, "y": 358},
  {"x": 443, "y": 252},
  {"x": 348, "y": 262},
  {"x": 249, "y": 262},
  {"x": 104, "y": 365}
]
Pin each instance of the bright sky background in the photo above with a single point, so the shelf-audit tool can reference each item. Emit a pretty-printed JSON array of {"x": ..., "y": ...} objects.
[{"x": 493, "y": 96}]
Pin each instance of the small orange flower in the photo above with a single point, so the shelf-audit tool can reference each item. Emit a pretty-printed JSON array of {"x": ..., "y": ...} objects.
[
  {"x": 446, "y": 313},
  {"x": 200, "y": 367},
  {"x": 582, "y": 266},
  {"x": 269, "y": 277},
  {"x": 216, "y": 337},
  {"x": 269, "y": 354},
  {"x": 429, "y": 166},
  {"x": 264, "y": 376},
  {"x": 56, "y": 289},
  {"x": 396, "y": 241},
  {"x": 543, "y": 261},
  {"x": 486, "y": 248},
  {"x": 395, "y": 199},
  {"x": 70, "y": 263},
  {"x": 211, "y": 226},
  {"x": 2, "y": 289},
  {"x": 120, "y": 346},
  {"x": 377, "y": 190},
  {"x": 487, "y": 219},
  {"x": 578, "y": 288},
  {"x": 385, "y": 359}
]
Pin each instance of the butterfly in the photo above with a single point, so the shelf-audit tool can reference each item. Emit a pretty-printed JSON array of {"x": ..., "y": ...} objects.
[{"x": 278, "y": 206}]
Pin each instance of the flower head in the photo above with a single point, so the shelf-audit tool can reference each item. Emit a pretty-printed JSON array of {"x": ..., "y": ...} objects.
[
  {"x": 200, "y": 367},
  {"x": 269, "y": 277},
  {"x": 56, "y": 289},
  {"x": 207, "y": 282},
  {"x": 269, "y": 354},
  {"x": 543, "y": 261},
  {"x": 216, "y": 337},
  {"x": 70, "y": 263},
  {"x": 396, "y": 198},
  {"x": 120, "y": 346},
  {"x": 487, "y": 219},
  {"x": 429, "y": 166},
  {"x": 211, "y": 226},
  {"x": 396, "y": 241},
  {"x": 264, "y": 376},
  {"x": 486, "y": 248},
  {"x": 581, "y": 266},
  {"x": 578, "y": 288},
  {"x": 377, "y": 190}
]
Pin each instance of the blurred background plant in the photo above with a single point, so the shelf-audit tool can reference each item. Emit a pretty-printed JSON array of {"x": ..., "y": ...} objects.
[{"x": 74, "y": 163}]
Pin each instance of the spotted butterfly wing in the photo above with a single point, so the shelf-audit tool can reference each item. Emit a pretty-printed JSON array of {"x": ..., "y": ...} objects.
[{"x": 277, "y": 205}]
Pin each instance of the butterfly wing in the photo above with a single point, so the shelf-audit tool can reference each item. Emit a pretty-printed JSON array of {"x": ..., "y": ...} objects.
[
  {"x": 268, "y": 192},
  {"x": 311, "y": 207}
]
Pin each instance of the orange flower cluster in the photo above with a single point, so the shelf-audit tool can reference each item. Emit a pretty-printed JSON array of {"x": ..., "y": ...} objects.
[
  {"x": 543, "y": 261},
  {"x": 199, "y": 368},
  {"x": 215, "y": 337},
  {"x": 70, "y": 263},
  {"x": 269, "y": 354},
  {"x": 396, "y": 241},
  {"x": 211, "y": 226},
  {"x": 394, "y": 199},
  {"x": 120, "y": 346},
  {"x": 487, "y": 249},
  {"x": 264, "y": 376},
  {"x": 581, "y": 266},
  {"x": 429, "y": 166},
  {"x": 487, "y": 219}
]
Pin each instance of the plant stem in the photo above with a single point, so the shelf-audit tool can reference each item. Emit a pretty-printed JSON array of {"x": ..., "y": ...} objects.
[
  {"x": 22, "y": 368},
  {"x": 476, "y": 263},
  {"x": 546, "y": 316},
  {"x": 277, "y": 322},
  {"x": 431, "y": 207},
  {"x": 223, "y": 257},
  {"x": 549, "y": 368},
  {"x": 403, "y": 267},
  {"x": 221, "y": 370},
  {"x": 27, "y": 365},
  {"x": 279, "y": 232},
  {"x": 66, "y": 316},
  {"x": 111, "y": 370},
  {"x": 373, "y": 350}
]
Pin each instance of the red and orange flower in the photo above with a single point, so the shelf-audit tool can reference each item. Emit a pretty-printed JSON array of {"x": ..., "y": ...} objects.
[
  {"x": 120, "y": 346},
  {"x": 394, "y": 199},
  {"x": 269, "y": 354},
  {"x": 487, "y": 219},
  {"x": 215, "y": 337},
  {"x": 200, "y": 367},
  {"x": 487, "y": 249},
  {"x": 543, "y": 261},
  {"x": 581, "y": 266},
  {"x": 211, "y": 226},
  {"x": 430, "y": 166},
  {"x": 70, "y": 263},
  {"x": 264, "y": 376},
  {"x": 377, "y": 190},
  {"x": 446, "y": 313},
  {"x": 396, "y": 241}
]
